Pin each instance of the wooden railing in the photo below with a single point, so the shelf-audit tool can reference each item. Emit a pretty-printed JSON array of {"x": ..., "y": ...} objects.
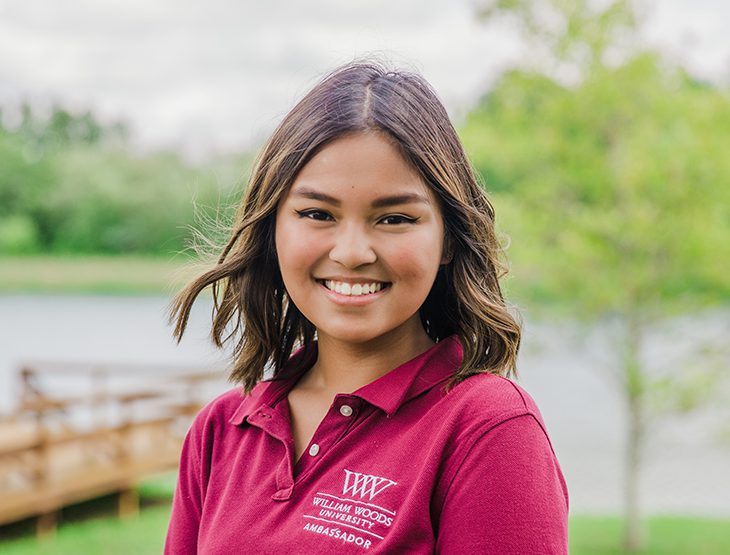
[{"x": 59, "y": 450}]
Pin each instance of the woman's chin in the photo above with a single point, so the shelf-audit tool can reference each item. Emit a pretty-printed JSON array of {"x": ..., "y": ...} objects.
[
  {"x": 352, "y": 336},
  {"x": 351, "y": 333}
]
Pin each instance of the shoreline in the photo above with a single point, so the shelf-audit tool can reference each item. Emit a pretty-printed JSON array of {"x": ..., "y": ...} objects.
[{"x": 91, "y": 274}]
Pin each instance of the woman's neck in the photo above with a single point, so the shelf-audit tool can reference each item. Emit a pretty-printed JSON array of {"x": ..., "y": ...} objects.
[{"x": 344, "y": 367}]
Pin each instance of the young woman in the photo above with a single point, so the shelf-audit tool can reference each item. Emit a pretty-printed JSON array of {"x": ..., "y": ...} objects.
[{"x": 362, "y": 274}]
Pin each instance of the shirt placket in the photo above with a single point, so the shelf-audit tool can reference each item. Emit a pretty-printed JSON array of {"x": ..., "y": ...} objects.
[
  {"x": 276, "y": 424},
  {"x": 340, "y": 417},
  {"x": 275, "y": 421}
]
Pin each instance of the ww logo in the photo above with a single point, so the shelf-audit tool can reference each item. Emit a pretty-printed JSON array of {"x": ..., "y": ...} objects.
[{"x": 365, "y": 484}]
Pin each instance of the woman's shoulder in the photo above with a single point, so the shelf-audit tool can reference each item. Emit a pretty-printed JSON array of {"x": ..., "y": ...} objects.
[
  {"x": 487, "y": 388},
  {"x": 483, "y": 408},
  {"x": 487, "y": 399}
]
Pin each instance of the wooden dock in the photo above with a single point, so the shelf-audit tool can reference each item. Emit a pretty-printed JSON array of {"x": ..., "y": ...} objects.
[{"x": 49, "y": 461}]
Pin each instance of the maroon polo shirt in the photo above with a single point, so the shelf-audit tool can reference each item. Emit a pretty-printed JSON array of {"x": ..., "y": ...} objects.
[{"x": 398, "y": 466}]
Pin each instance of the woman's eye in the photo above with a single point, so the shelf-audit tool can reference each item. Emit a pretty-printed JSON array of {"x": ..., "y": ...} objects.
[
  {"x": 396, "y": 219},
  {"x": 317, "y": 215}
]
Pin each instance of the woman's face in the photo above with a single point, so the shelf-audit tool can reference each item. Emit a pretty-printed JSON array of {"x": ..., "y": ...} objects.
[{"x": 359, "y": 239}]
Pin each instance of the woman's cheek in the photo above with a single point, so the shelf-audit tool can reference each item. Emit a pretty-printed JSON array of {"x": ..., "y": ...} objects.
[
  {"x": 295, "y": 243},
  {"x": 420, "y": 259}
]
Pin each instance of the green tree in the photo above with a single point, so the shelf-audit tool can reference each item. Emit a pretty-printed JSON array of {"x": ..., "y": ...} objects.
[
  {"x": 29, "y": 173},
  {"x": 68, "y": 184},
  {"x": 24, "y": 181},
  {"x": 615, "y": 188},
  {"x": 108, "y": 201},
  {"x": 62, "y": 128}
]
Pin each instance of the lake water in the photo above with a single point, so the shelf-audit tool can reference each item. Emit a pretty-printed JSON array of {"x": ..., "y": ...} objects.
[{"x": 687, "y": 464}]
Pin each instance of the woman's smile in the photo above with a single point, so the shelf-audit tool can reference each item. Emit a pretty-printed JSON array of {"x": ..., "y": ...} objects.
[
  {"x": 353, "y": 293},
  {"x": 353, "y": 289}
]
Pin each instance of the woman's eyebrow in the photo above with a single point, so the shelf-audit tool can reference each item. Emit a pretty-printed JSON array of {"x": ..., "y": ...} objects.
[
  {"x": 315, "y": 195},
  {"x": 405, "y": 198}
]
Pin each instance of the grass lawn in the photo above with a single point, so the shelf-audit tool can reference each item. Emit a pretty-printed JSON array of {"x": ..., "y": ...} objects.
[
  {"x": 94, "y": 274},
  {"x": 666, "y": 535},
  {"x": 93, "y": 529}
]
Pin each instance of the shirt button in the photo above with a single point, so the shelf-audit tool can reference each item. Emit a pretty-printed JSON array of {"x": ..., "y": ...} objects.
[
  {"x": 346, "y": 410},
  {"x": 314, "y": 449}
]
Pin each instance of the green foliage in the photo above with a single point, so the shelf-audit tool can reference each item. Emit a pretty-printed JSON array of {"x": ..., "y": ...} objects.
[
  {"x": 24, "y": 181},
  {"x": 581, "y": 34},
  {"x": 18, "y": 234},
  {"x": 615, "y": 191},
  {"x": 614, "y": 187},
  {"x": 109, "y": 202},
  {"x": 62, "y": 128},
  {"x": 68, "y": 185}
]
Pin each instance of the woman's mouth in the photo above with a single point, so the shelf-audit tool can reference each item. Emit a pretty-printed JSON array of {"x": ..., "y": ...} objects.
[{"x": 354, "y": 289}]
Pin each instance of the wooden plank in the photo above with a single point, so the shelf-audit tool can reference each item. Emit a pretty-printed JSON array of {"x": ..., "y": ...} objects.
[
  {"x": 138, "y": 395},
  {"x": 19, "y": 445},
  {"x": 17, "y": 437},
  {"x": 110, "y": 431},
  {"x": 50, "y": 464},
  {"x": 86, "y": 483},
  {"x": 49, "y": 404}
]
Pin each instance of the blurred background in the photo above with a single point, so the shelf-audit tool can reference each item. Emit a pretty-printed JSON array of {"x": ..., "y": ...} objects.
[{"x": 600, "y": 129}]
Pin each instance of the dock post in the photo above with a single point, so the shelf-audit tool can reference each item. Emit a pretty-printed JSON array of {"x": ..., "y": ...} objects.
[
  {"x": 128, "y": 503},
  {"x": 46, "y": 524}
]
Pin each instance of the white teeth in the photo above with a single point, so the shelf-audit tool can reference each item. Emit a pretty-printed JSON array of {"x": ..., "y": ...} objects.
[{"x": 356, "y": 289}]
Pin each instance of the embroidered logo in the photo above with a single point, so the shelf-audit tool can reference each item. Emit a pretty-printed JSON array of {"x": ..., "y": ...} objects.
[
  {"x": 351, "y": 517},
  {"x": 364, "y": 484}
]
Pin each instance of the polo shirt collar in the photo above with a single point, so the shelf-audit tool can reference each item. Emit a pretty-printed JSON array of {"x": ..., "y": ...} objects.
[
  {"x": 388, "y": 393},
  {"x": 435, "y": 365},
  {"x": 267, "y": 393}
]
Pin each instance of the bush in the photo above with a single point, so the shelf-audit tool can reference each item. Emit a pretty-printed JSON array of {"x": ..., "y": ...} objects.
[{"x": 18, "y": 235}]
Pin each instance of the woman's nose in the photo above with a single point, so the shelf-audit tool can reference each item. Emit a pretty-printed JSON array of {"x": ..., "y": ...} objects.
[{"x": 353, "y": 247}]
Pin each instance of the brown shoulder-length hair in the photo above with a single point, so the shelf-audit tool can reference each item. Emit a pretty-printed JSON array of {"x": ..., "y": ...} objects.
[{"x": 465, "y": 299}]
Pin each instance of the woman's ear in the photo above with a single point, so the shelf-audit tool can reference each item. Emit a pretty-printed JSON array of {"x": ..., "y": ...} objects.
[{"x": 447, "y": 253}]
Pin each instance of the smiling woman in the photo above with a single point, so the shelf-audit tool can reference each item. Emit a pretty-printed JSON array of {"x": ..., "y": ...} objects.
[
  {"x": 363, "y": 269},
  {"x": 358, "y": 214}
]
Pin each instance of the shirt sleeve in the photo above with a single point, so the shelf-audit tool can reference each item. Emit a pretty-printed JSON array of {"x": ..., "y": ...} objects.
[
  {"x": 187, "y": 503},
  {"x": 508, "y": 495}
]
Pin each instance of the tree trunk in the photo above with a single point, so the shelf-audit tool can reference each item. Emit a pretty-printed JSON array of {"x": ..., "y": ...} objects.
[{"x": 634, "y": 390}]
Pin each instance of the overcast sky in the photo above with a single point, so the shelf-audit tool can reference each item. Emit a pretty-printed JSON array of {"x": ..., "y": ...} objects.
[{"x": 218, "y": 75}]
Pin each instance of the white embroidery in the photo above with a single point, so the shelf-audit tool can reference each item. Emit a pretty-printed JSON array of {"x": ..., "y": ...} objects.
[
  {"x": 365, "y": 484},
  {"x": 355, "y": 501}
]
